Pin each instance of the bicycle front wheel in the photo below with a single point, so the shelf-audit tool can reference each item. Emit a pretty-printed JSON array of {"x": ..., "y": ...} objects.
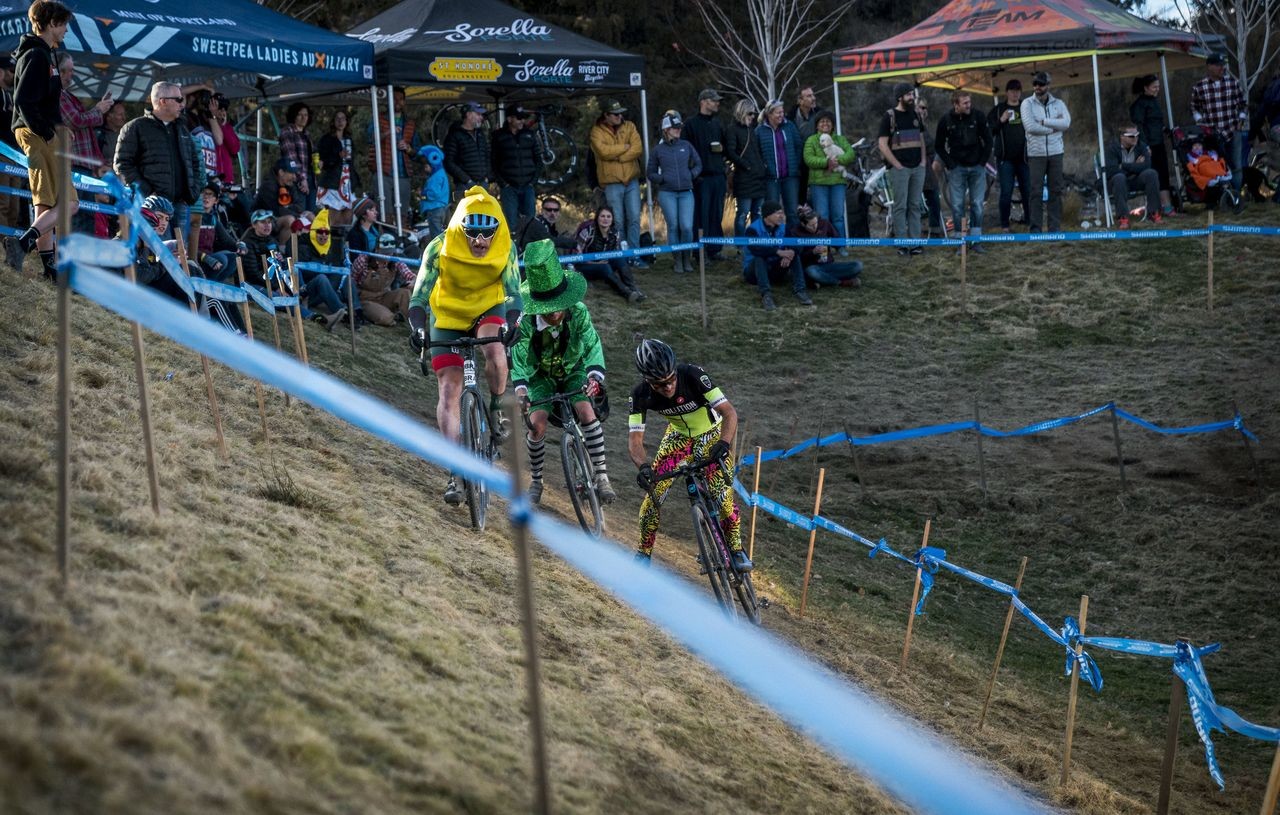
[
  {"x": 711, "y": 557},
  {"x": 747, "y": 597},
  {"x": 582, "y": 490},
  {"x": 559, "y": 156},
  {"x": 475, "y": 435}
]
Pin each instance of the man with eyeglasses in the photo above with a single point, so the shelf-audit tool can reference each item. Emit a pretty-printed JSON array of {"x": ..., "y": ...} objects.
[
  {"x": 156, "y": 151},
  {"x": 701, "y": 425},
  {"x": 617, "y": 148},
  {"x": 1127, "y": 166},
  {"x": 1045, "y": 119},
  {"x": 468, "y": 286},
  {"x": 542, "y": 227}
]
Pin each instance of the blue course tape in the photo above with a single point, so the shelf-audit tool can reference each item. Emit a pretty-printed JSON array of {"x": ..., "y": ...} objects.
[
  {"x": 340, "y": 271},
  {"x": 926, "y": 773},
  {"x": 87, "y": 206},
  {"x": 260, "y": 297},
  {"x": 219, "y": 291}
]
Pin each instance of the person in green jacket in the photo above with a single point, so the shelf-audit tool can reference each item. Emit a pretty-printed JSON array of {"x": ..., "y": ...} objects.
[
  {"x": 558, "y": 351},
  {"x": 826, "y": 154}
]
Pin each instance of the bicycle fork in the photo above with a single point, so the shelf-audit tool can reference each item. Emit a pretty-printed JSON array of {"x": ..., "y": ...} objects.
[{"x": 725, "y": 559}]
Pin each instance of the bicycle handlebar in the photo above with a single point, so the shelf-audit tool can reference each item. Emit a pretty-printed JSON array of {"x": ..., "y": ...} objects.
[
  {"x": 464, "y": 342},
  {"x": 688, "y": 468},
  {"x": 557, "y": 397}
]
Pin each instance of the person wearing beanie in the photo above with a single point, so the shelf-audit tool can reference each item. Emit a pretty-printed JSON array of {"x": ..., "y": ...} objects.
[
  {"x": 901, "y": 143},
  {"x": 433, "y": 203},
  {"x": 1009, "y": 141},
  {"x": 558, "y": 351},
  {"x": 468, "y": 286},
  {"x": 764, "y": 265}
]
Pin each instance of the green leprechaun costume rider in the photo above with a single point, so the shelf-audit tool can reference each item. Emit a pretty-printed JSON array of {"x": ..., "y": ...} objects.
[{"x": 558, "y": 351}]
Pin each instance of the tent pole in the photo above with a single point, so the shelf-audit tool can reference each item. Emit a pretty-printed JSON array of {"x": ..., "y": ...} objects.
[
  {"x": 844, "y": 199},
  {"x": 394, "y": 144},
  {"x": 257, "y": 152},
  {"x": 377, "y": 152},
  {"x": 644, "y": 134},
  {"x": 1168, "y": 110},
  {"x": 1097, "y": 109}
]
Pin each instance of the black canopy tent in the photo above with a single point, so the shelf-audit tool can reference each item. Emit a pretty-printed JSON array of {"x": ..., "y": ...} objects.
[{"x": 451, "y": 50}]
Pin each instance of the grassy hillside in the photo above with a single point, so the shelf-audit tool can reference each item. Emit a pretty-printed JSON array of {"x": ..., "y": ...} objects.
[{"x": 307, "y": 628}]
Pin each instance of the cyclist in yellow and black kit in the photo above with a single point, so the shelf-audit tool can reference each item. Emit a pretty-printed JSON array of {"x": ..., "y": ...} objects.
[{"x": 700, "y": 425}]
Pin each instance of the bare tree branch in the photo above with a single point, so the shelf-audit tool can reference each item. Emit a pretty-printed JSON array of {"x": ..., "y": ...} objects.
[{"x": 1236, "y": 21}]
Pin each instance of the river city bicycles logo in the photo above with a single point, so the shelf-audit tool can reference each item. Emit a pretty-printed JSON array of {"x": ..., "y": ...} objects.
[{"x": 593, "y": 71}]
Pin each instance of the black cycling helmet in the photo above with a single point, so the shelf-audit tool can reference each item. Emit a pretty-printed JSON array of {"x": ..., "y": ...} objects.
[
  {"x": 655, "y": 360},
  {"x": 158, "y": 203}
]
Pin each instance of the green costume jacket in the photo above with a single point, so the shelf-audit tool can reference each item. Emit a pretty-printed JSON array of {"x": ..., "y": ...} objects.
[{"x": 543, "y": 354}]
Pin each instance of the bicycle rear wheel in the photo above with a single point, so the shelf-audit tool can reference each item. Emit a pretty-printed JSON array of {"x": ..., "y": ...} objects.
[
  {"x": 559, "y": 157},
  {"x": 582, "y": 490},
  {"x": 475, "y": 435},
  {"x": 710, "y": 558}
]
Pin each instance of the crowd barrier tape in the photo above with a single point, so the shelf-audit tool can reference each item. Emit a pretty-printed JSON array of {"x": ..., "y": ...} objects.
[
  {"x": 321, "y": 268},
  {"x": 79, "y": 180},
  {"x": 87, "y": 206},
  {"x": 1207, "y": 714},
  {"x": 919, "y": 768},
  {"x": 392, "y": 258},
  {"x": 1235, "y": 423}
]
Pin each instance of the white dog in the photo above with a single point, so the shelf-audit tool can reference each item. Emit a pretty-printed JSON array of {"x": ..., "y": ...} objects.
[{"x": 833, "y": 151}]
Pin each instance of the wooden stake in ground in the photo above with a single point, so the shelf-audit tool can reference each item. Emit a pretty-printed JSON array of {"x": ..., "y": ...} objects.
[
  {"x": 1075, "y": 689},
  {"x": 1253, "y": 462},
  {"x": 982, "y": 461},
  {"x": 1210, "y": 282},
  {"x": 813, "y": 534},
  {"x": 813, "y": 472},
  {"x": 964, "y": 268},
  {"x": 351, "y": 311},
  {"x": 1273, "y": 786},
  {"x": 702, "y": 279},
  {"x": 915, "y": 597},
  {"x": 193, "y": 234},
  {"x": 248, "y": 327},
  {"x": 275, "y": 319},
  {"x": 533, "y": 668},
  {"x": 755, "y": 490},
  {"x": 1004, "y": 638},
  {"x": 204, "y": 360},
  {"x": 64, "y": 382},
  {"x": 737, "y": 443},
  {"x": 857, "y": 461},
  {"x": 297, "y": 308},
  {"x": 1115, "y": 432},
  {"x": 144, "y": 401},
  {"x": 1176, "y": 692}
]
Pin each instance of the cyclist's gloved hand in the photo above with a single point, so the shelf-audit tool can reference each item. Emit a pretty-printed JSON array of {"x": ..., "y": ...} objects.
[
  {"x": 418, "y": 339},
  {"x": 512, "y": 328},
  {"x": 645, "y": 478},
  {"x": 719, "y": 451},
  {"x": 593, "y": 387}
]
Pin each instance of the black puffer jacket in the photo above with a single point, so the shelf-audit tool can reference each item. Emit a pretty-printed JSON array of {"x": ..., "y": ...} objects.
[
  {"x": 37, "y": 89},
  {"x": 161, "y": 158},
  {"x": 515, "y": 157},
  {"x": 466, "y": 157},
  {"x": 741, "y": 150}
]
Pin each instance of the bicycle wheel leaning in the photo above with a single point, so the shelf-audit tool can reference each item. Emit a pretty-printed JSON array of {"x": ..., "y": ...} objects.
[
  {"x": 709, "y": 558},
  {"x": 559, "y": 157},
  {"x": 582, "y": 490},
  {"x": 747, "y": 597},
  {"x": 475, "y": 435}
]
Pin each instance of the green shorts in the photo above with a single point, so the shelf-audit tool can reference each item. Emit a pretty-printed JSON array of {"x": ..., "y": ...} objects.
[
  {"x": 544, "y": 387},
  {"x": 445, "y": 357}
]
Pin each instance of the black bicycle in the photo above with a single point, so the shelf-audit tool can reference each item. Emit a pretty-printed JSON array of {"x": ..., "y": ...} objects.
[
  {"x": 714, "y": 558},
  {"x": 578, "y": 475},
  {"x": 557, "y": 150},
  {"x": 478, "y": 432}
]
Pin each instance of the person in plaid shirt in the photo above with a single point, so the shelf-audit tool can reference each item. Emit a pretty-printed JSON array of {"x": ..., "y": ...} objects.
[
  {"x": 1218, "y": 102},
  {"x": 86, "y": 156},
  {"x": 295, "y": 144}
]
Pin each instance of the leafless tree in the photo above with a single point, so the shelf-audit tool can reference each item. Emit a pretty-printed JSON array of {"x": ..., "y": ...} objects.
[
  {"x": 1241, "y": 24},
  {"x": 759, "y": 59}
]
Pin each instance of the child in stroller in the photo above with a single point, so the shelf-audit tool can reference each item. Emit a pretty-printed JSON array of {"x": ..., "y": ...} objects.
[{"x": 1209, "y": 178}]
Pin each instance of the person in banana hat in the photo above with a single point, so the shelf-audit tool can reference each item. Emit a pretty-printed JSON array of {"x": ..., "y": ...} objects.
[
  {"x": 468, "y": 286},
  {"x": 558, "y": 351}
]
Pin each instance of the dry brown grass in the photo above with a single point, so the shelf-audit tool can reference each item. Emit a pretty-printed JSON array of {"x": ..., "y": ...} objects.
[{"x": 361, "y": 652}]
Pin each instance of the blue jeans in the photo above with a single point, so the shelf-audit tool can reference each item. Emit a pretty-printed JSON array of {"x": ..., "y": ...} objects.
[
  {"x": 219, "y": 266},
  {"x": 785, "y": 191},
  {"x": 624, "y": 200},
  {"x": 181, "y": 218},
  {"x": 320, "y": 290},
  {"x": 761, "y": 270},
  {"x": 828, "y": 200},
  {"x": 830, "y": 274},
  {"x": 516, "y": 202},
  {"x": 746, "y": 206},
  {"x": 972, "y": 180},
  {"x": 1012, "y": 171},
  {"x": 614, "y": 271},
  {"x": 677, "y": 209}
]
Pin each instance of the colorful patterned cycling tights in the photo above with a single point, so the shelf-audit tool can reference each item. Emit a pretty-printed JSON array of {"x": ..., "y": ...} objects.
[{"x": 674, "y": 449}]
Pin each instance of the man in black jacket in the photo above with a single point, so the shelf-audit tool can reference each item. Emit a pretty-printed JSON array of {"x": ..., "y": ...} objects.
[
  {"x": 706, "y": 133},
  {"x": 156, "y": 151},
  {"x": 1010, "y": 139},
  {"x": 963, "y": 145},
  {"x": 12, "y": 209},
  {"x": 36, "y": 119},
  {"x": 466, "y": 152},
  {"x": 515, "y": 164},
  {"x": 283, "y": 199},
  {"x": 1128, "y": 167}
]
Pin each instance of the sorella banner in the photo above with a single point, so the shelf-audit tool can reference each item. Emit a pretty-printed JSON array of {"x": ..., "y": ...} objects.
[
  {"x": 235, "y": 36},
  {"x": 486, "y": 42}
]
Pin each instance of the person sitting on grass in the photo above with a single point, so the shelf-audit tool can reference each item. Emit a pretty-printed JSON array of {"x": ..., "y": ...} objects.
[
  {"x": 382, "y": 302},
  {"x": 216, "y": 244},
  {"x": 818, "y": 262},
  {"x": 600, "y": 235},
  {"x": 558, "y": 351},
  {"x": 765, "y": 264}
]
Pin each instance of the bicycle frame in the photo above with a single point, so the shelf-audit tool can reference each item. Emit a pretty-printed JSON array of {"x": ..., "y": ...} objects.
[{"x": 574, "y": 457}]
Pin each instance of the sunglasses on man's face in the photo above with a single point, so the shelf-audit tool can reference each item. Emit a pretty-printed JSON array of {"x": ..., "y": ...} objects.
[
  {"x": 170, "y": 98},
  {"x": 551, "y": 209},
  {"x": 478, "y": 233},
  {"x": 662, "y": 383}
]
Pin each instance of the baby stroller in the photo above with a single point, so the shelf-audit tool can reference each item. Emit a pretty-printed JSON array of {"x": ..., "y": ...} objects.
[{"x": 1193, "y": 191}]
